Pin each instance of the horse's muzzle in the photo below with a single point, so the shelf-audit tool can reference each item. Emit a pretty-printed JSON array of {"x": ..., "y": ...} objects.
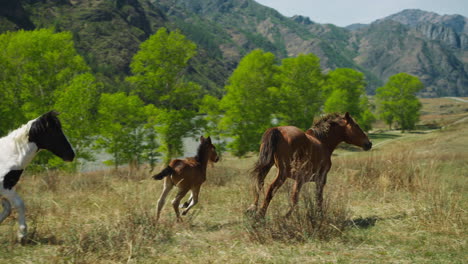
[
  {"x": 69, "y": 157},
  {"x": 367, "y": 146}
]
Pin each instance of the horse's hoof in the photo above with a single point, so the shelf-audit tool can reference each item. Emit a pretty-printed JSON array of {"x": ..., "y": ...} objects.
[
  {"x": 251, "y": 210},
  {"x": 22, "y": 239},
  {"x": 22, "y": 234}
]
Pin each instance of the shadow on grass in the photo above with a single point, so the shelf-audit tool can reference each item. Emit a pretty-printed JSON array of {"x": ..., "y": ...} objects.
[
  {"x": 370, "y": 221},
  {"x": 35, "y": 240},
  {"x": 362, "y": 222}
]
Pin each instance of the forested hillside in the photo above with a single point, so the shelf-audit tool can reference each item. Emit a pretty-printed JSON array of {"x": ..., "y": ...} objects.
[{"x": 107, "y": 34}]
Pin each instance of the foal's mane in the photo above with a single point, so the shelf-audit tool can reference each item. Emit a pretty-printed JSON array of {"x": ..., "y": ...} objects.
[
  {"x": 323, "y": 124},
  {"x": 201, "y": 151}
]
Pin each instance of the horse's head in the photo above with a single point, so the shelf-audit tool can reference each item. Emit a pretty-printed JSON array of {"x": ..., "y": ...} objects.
[
  {"x": 212, "y": 155},
  {"x": 354, "y": 134},
  {"x": 46, "y": 132}
]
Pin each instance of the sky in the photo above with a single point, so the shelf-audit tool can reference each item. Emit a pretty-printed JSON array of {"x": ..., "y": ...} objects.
[{"x": 346, "y": 12}]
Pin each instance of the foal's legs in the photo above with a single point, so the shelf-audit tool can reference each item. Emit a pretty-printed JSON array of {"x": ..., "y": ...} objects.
[
  {"x": 175, "y": 203},
  {"x": 187, "y": 203},
  {"x": 168, "y": 185},
  {"x": 193, "y": 199},
  {"x": 14, "y": 198}
]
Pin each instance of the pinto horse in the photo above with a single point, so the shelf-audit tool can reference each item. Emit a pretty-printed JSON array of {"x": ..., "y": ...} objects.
[
  {"x": 18, "y": 148},
  {"x": 188, "y": 175},
  {"x": 303, "y": 156}
]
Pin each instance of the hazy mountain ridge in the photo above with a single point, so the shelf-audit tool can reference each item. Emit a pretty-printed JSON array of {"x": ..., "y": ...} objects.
[
  {"x": 434, "y": 48},
  {"x": 108, "y": 34}
]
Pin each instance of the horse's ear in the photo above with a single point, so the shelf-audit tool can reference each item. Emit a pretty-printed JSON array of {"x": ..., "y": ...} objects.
[
  {"x": 348, "y": 117},
  {"x": 202, "y": 138},
  {"x": 52, "y": 113},
  {"x": 208, "y": 139}
]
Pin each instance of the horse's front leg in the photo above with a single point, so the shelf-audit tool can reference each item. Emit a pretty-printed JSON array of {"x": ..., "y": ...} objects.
[
  {"x": 14, "y": 199},
  {"x": 193, "y": 199},
  {"x": 320, "y": 185},
  {"x": 295, "y": 196},
  {"x": 6, "y": 210}
]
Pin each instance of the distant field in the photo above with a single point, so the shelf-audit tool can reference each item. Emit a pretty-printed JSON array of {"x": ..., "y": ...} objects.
[{"x": 405, "y": 201}]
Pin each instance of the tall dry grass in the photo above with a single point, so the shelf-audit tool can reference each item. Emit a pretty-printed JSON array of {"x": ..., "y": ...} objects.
[
  {"x": 403, "y": 202},
  {"x": 305, "y": 223}
]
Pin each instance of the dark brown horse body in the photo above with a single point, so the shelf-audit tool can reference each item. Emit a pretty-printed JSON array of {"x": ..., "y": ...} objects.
[
  {"x": 187, "y": 175},
  {"x": 303, "y": 156}
]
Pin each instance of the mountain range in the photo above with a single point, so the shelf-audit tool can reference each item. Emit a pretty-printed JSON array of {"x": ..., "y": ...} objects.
[{"x": 107, "y": 33}]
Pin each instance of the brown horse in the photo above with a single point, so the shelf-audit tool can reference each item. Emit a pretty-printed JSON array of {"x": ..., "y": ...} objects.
[
  {"x": 303, "y": 157},
  {"x": 188, "y": 175}
]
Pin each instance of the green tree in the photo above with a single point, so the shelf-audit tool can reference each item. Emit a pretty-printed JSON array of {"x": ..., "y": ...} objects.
[
  {"x": 210, "y": 107},
  {"x": 158, "y": 78},
  {"x": 247, "y": 105},
  {"x": 123, "y": 133},
  {"x": 158, "y": 69},
  {"x": 299, "y": 96},
  {"x": 397, "y": 101},
  {"x": 345, "y": 92},
  {"x": 36, "y": 64},
  {"x": 77, "y": 104}
]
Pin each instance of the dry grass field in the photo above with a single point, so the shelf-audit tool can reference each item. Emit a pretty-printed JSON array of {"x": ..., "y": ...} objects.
[{"x": 405, "y": 201}]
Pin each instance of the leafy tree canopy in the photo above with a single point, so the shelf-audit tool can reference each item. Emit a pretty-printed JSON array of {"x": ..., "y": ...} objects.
[
  {"x": 247, "y": 104},
  {"x": 345, "y": 92},
  {"x": 158, "y": 69},
  {"x": 299, "y": 95},
  {"x": 397, "y": 101},
  {"x": 122, "y": 128},
  {"x": 36, "y": 66}
]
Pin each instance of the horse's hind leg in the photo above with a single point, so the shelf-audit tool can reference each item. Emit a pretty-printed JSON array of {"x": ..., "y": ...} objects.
[
  {"x": 193, "y": 199},
  {"x": 176, "y": 202},
  {"x": 6, "y": 210},
  {"x": 168, "y": 185},
  {"x": 14, "y": 198},
  {"x": 260, "y": 181},
  {"x": 278, "y": 182},
  {"x": 187, "y": 203}
]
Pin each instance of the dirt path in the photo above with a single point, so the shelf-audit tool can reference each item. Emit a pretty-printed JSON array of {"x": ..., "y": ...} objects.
[{"x": 458, "y": 99}]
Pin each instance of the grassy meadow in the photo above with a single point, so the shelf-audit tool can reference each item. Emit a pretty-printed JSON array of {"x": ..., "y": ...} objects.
[{"x": 405, "y": 201}]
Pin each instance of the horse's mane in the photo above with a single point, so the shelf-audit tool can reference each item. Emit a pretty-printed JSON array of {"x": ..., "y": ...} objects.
[
  {"x": 42, "y": 123},
  {"x": 201, "y": 151},
  {"x": 20, "y": 135},
  {"x": 322, "y": 125}
]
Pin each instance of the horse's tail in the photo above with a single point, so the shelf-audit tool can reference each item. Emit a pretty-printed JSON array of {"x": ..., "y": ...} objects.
[
  {"x": 166, "y": 172},
  {"x": 266, "y": 157}
]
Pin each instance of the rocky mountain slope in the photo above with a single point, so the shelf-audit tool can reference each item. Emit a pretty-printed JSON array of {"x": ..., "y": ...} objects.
[{"x": 108, "y": 33}]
